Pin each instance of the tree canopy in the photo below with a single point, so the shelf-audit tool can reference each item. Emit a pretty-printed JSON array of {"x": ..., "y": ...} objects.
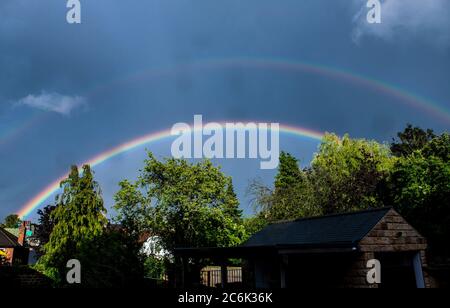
[
  {"x": 11, "y": 221},
  {"x": 419, "y": 187},
  {"x": 343, "y": 176},
  {"x": 184, "y": 204},
  {"x": 79, "y": 218},
  {"x": 412, "y": 175},
  {"x": 411, "y": 139},
  {"x": 44, "y": 227},
  {"x": 346, "y": 172},
  {"x": 189, "y": 204}
]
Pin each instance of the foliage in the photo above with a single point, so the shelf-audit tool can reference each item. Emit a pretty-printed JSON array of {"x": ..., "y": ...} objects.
[
  {"x": 131, "y": 208},
  {"x": 254, "y": 224},
  {"x": 344, "y": 176},
  {"x": 111, "y": 260},
  {"x": 11, "y": 221},
  {"x": 44, "y": 228},
  {"x": 289, "y": 173},
  {"x": 186, "y": 205},
  {"x": 287, "y": 203},
  {"x": 79, "y": 219},
  {"x": 411, "y": 140},
  {"x": 352, "y": 174},
  {"x": 419, "y": 188},
  {"x": 346, "y": 172},
  {"x": 154, "y": 267},
  {"x": 438, "y": 147}
]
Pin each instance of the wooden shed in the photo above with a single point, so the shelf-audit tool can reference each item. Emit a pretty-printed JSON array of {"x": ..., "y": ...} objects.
[{"x": 328, "y": 251}]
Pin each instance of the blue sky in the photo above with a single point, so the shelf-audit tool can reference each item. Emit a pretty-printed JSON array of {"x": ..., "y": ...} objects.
[{"x": 69, "y": 92}]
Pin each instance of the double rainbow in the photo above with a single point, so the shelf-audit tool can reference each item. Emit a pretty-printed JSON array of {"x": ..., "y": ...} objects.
[
  {"x": 410, "y": 99},
  {"x": 51, "y": 189}
]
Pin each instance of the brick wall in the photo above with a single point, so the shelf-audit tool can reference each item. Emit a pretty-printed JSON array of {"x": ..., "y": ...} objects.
[{"x": 356, "y": 276}]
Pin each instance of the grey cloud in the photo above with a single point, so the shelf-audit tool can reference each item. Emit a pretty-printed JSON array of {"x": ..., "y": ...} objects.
[
  {"x": 54, "y": 102},
  {"x": 406, "y": 20}
]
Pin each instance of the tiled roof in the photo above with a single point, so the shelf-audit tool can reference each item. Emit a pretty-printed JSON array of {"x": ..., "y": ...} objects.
[
  {"x": 349, "y": 228},
  {"x": 7, "y": 240},
  {"x": 13, "y": 231}
]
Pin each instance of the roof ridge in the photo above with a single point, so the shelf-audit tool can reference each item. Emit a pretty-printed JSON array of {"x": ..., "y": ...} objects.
[
  {"x": 9, "y": 237},
  {"x": 386, "y": 208}
]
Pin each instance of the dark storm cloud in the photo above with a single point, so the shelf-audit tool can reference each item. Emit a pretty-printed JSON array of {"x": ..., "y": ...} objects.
[{"x": 132, "y": 63}]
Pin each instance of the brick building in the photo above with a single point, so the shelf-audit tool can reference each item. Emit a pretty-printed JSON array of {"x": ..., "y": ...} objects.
[{"x": 13, "y": 247}]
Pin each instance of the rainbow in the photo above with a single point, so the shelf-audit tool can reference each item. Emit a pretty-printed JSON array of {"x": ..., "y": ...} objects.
[
  {"x": 410, "y": 99},
  {"x": 52, "y": 188},
  {"x": 434, "y": 109},
  {"x": 16, "y": 131}
]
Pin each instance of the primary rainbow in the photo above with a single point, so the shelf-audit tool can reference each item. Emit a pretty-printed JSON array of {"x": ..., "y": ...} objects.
[{"x": 52, "y": 188}]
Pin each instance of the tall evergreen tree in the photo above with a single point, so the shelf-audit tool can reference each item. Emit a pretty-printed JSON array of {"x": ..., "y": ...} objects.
[
  {"x": 78, "y": 219},
  {"x": 289, "y": 173}
]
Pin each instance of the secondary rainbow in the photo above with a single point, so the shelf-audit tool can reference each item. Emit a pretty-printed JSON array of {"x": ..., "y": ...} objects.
[
  {"x": 408, "y": 98},
  {"x": 52, "y": 188},
  {"x": 435, "y": 110}
]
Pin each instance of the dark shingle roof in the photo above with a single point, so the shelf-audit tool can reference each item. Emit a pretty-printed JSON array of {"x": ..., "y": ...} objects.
[
  {"x": 7, "y": 240},
  {"x": 341, "y": 229}
]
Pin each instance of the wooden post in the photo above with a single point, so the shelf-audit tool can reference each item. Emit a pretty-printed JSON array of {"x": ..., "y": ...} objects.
[
  {"x": 224, "y": 274},
  {"x": 208, "y": 278},
  {"x": 283, "y": 264},
  {"x": 183, "y": 272},
  {"x": 417, "y": 263}
]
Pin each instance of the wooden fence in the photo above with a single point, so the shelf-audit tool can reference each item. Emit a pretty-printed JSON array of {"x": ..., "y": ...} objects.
[{"x": 212, "y": 276}]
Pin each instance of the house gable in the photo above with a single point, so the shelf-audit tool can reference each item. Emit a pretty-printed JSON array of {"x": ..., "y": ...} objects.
[{"x": 392, "y": 233}]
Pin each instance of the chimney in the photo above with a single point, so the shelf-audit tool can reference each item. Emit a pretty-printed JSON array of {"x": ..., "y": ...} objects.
[{"x": 22, "y": 233}]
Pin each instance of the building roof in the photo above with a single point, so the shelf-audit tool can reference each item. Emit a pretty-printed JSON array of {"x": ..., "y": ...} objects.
[
  {"x": 13, "y": 231},
  {"x": 7, "y": 240},
  {"x": 332, "y": 233},
  {"x": 324, "y": 231}
]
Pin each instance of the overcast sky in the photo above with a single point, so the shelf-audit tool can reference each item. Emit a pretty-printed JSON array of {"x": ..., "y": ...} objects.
[{"x": 69, "y": 92}]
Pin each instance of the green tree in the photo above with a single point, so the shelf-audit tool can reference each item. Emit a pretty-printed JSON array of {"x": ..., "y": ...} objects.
[
  {"x": 291, "y": 196},
  {"x": 44, "y": 228},
  {"x": 438, "y": 147},
  {"x": 186, "y": 205},
  {"x": 155, "y": 267},
  {"x": 79, "y": 219},
  {"x": 346, "y": 173},
  {"x": 419, "y": 188},
  {"x": 254, "y": 224},
  {"x": 289, "y": 173},
  {"x": 410, "y": 140},
  {"x": 111, "y": 260},
  {"x": 12, "y": 221},
  {"x": 132, "y": 209}
]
